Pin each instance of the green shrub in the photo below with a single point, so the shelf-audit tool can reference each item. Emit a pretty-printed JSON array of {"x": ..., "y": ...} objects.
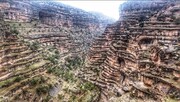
[
  {"x": 67, "y": 76},
  {"x": 34, "y": 82},
  {"x": 50, "y": 86},
  {"x": 56, "y": 71},
  {"x": 87, "y": 86},
  {"x": 42, "y": 80},
  {"x": 53, "y": 59},
  {"x": 73, "y": 62},
  {"x": 16, "y": 32},
  {"x": 42, "y": 89},
  {"x": 18, "y": 79},
  {"x": 10, "y": 81},
  {"x": 50, "y": 70},
  {"x": 56, "y": 52},
  {"x": 37, "y": 80},
  {"x": 7, "y": 83},
  {"x": 34, "y": 46}
]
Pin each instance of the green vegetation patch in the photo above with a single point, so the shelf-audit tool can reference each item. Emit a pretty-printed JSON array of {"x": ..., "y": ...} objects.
[
  {"x": 10, "y": 81},
  {"x": 42, "y": 89},
  {"x": 74, "y": 62},
  {"x": 87, "y": 86},
  {"x": 34, "y": 46},
  {"x": 37, "y": 80}
]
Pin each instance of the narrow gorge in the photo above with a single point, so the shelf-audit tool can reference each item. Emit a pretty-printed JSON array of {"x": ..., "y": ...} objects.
[{"x": 53, "y": 52}]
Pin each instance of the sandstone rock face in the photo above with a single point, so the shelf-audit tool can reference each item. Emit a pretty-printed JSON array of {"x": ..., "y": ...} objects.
[
  {"x": 52, "y": 23},
  {"x": 16, "y": 11},
  {"x": 57, "y": 14},
  {"x": 26, "y": 72},
  {"x": 20, "y": 64},
  {"x": 42, "y": 45},
  {"x": 71, "y": 29},
  {"x": 139, "y": 54}
]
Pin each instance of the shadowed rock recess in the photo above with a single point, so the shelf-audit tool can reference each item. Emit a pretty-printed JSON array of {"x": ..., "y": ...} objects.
[{"x": 52, "y": 52}]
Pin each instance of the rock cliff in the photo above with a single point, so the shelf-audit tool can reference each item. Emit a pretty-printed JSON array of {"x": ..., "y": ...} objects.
[
  {"x": 138, "y": 56},
  {"x": 53, "y": 23},
  {"x": 42, "y": 47},
  {"x": 21, "y": 63}
]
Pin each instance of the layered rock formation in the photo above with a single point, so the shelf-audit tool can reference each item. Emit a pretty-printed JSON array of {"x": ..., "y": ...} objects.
[
  {"x": 53, "y": 23},
  {"x": 16, "y": 11},
  {"x": 76, "y": 26},
  {"x": 58, "y": 14},
  {"x": 20, "y": 65},
  {"x": 139, "y": 54},
  {"x": 31, "y": 67}
]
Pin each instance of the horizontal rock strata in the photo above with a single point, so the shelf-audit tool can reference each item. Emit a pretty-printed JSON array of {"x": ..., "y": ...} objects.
[{"x": 139, "y": 54}]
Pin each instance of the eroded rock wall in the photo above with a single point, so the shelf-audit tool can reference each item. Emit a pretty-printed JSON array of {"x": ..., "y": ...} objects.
[
  {"x": 31, "y": 67},
  {"x": 20, "y": 64},
  {"x": 139, "y": 54},
  {"x": 52, "y": 23}
]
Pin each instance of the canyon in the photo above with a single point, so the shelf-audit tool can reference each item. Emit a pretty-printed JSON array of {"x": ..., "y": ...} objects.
[{"x": 52, "y": 52}]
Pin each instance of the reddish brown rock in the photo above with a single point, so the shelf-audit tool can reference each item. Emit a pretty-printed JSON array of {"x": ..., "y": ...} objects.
[{"x": 140, "y": 50}]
